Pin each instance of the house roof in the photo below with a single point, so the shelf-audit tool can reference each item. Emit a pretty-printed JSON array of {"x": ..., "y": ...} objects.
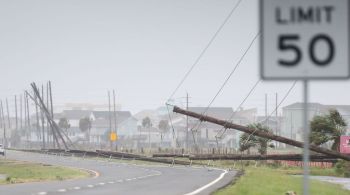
[
  {"x": 342, "y": 109},
  {"x": 100, "y": 123},
  {"x": 299, "y": 105},
  {"x": 121, "y": 115},
  {"x": 146, "y": 129},
  {"x": 75, "y": 114},
  {"x": 217, "y": 112}
]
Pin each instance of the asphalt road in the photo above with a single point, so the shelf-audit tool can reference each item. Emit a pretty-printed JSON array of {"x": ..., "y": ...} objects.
[{"x": 113, "y": 178}]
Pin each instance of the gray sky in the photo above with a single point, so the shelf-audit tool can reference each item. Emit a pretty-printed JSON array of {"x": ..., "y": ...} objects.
[{"x": 141, "y": 49}]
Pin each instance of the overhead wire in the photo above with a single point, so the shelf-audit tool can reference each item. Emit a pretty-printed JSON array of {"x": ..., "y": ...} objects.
[
  {"x": 226, "y": 80},
  {"x": 239, "y": 106},
  {"x": 205, "y": 48},
  {"x": 275, "y": 110},
  {"x": 199, "y": 58}
]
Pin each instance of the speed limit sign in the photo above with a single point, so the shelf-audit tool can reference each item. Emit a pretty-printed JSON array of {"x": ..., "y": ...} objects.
[{"x": 304, "y": 39}]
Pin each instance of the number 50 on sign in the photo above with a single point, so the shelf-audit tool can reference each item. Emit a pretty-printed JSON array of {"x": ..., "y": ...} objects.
[{"x": 304, "y": 39}]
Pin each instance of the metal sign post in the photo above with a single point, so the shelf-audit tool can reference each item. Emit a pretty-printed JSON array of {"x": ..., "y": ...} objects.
[
  {"x": 306, "y": 153},
  {"x": 304, "y": 40}
]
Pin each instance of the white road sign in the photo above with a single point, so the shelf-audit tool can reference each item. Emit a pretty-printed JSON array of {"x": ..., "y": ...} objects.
[{"x": 304, "y": 39}]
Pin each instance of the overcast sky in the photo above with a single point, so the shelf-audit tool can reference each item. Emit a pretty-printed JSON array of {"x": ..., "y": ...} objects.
[{"x": 141, "y": 49}]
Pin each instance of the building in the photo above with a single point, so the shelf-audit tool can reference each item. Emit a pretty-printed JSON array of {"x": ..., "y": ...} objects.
[
  {"x": 103, "y": 122},
  {"x": 209, "y": 134},
  {"x": 293, "y": 126}
]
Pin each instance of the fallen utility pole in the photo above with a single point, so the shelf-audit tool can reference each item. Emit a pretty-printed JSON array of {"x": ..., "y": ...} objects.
[
  {"x": 291, "y": 157},
  {"x": 229, "y": 125},
  {"x": 171, "y": 155}
]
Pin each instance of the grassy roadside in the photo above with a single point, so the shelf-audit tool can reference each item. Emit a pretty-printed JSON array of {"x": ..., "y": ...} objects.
[
  {"x": 21, "y": 172},
  {"x": 277, "y": 181}
]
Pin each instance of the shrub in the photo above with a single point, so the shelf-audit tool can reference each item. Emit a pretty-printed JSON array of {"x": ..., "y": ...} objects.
[{"x": 342, "y": 167}]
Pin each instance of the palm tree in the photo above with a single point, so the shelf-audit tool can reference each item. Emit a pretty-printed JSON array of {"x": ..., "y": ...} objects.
[
  {"x": 63, "y": 123},
  {"x": 146, "y": 123},
  {"x": 327, "y": 128},
  {"x": 164, "y": 128},
  {"x": 248, "y": 141},
  {"x": 85, "y": 126}
]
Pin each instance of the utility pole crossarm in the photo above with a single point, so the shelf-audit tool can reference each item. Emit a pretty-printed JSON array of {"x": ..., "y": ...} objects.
[{"x": 229, "y": 125}]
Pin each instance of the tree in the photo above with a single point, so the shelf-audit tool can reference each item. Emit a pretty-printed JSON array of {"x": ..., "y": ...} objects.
[
  {"x": 146, "y": 123},
  {"x": 85, "y": 126},
  {"x": 163, "y": 127},
  {"x": 328, "y": 127},
  {"x": 63, "y": 123},
  {"x": 248, "y": 141}
]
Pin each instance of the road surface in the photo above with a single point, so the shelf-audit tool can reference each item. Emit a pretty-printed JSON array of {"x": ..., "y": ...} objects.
[{"x": 113, "y": 178}]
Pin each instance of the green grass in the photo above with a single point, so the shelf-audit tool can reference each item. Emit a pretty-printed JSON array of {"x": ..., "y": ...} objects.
[
  {"x": 21, "y": 172},
  {"x": 276, "y": 181}
]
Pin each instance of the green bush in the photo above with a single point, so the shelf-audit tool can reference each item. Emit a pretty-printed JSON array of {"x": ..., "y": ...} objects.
[{"x": 342, "y": 167}]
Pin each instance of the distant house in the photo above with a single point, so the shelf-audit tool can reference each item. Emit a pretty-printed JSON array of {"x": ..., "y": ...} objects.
[
  {"x": 73, "y": 117},
  {"x": 293, "y": 117},
  {"x": 152, "y": 136},
  {"x": 100, "y": 124},
  {"x": 206, "y": 133},
  {"x": 126, "y": 125}
]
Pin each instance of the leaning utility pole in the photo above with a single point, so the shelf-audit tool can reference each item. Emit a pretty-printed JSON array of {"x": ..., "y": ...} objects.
[
  {"x": 229, "y": 125},
  {"x": 42, "y": 118},
  {"x": 37, "y": 117},
  {"x": 48, "y": 127},
  {"x": 51, "y": 109},
  {"x": 51, "y": 121}
]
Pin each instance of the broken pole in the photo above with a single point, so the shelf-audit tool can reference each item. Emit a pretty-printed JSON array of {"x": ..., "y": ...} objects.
[{"x": 229, "y": 125}]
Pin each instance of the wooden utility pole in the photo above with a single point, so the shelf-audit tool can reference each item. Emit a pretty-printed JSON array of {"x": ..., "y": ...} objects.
[
  {"x": 37, "y": 117},
  {"x": 50, "y": 105},
  {"x": 187, "y": 122},
  {"x": 8, "y": 114},
  {"x": 28, "y": 118},
  {"x": 229, "y": 125},
  {"x": 3, "y": 121},
  {"x": 16, "y": 113},
  {"x": 291, "y": 157},
  {"x": 8, "y": 120},
  {"x": 266, "y": 119},
  {"x": 48, "y": 127},
  {"x": 276, "y": 115},
  {"x": 25, "y": 116},
  {"x": 110, "y": 120},
  {"x": 20, "y": 111},
  {"x": 115, "y": 117}
]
